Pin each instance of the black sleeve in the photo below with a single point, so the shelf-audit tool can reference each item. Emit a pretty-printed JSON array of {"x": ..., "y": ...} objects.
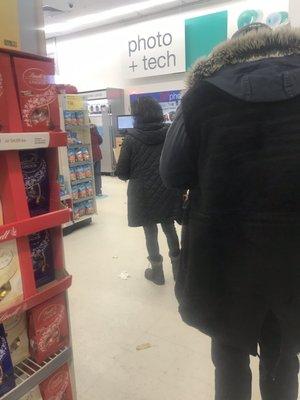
[
  {"x": 124, "y": 163},
  {"x": 178, "y": 164}
]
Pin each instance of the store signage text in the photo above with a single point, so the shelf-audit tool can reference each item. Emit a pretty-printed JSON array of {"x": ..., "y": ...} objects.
[
  {"x": 155, "y": 52},
  {"x": 24, "y": 141},
  {"x": 152, "y": 42}
]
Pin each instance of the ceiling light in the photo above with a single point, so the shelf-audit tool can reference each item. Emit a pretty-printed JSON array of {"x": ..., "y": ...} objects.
[{"x": 86, "y": 20}]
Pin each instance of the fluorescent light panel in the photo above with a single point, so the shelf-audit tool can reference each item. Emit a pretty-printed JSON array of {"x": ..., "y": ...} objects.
[{"x": 90, "y": 19}]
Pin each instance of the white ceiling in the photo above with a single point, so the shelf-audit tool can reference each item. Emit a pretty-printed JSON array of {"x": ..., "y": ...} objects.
[
  {"x": 70, "y": 9},
  {"x": 76, "y": 8}
]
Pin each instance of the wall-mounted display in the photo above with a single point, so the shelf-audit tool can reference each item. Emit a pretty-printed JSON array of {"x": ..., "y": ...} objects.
[{"x": 169, "y": 101}]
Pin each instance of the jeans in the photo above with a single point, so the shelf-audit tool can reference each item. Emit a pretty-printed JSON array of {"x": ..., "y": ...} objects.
[
  {"x": 278, "y": 372},
  {"x": 151, "y": 234},
  {"x": 98, "y": 178}
]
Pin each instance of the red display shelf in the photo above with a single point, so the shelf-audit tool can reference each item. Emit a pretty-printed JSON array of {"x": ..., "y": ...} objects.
[
  {"x": 51, "y": 290},
  {"x": 32, "y": 140},
  {"x": 29, "y": 120},
  {"x": 28, "y": 226}
]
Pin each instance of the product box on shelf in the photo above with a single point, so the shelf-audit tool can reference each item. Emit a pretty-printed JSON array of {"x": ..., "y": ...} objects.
[
  {"x": 42, "y": 260},
  {"x": 34, "y": 394},
  {"x": 7, "y": 380},
  {"x": 17, "y": 338},
  {"x": 35, "y": 174},
  {"x": 48, "y": 328},
  {"x": 37, "y": 94},
  {"x": 9, "y": 107},
  {"x": 58, "y": 386},
  {"x": 11, "y": 289}
]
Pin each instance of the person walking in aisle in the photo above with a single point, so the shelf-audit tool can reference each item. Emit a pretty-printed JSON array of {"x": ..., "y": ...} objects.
[
  {"x": 235, "y": 144},
  {"x": 97, "y": 140},
  {"x": 149, "y": 201}
]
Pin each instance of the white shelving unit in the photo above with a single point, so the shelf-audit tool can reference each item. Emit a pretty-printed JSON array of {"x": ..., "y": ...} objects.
[
  {"x": 75, "y": 121},
  {"x": 104, "y": 106}
]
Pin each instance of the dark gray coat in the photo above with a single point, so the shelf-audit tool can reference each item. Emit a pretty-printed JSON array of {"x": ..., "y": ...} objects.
[
  {"x": 236, "y": 145},
  {"x": 149, "y": 201}
]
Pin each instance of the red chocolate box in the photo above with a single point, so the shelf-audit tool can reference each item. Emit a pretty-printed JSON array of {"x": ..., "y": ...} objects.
[
  {"x": 37, "y": 94},
  {"x": 9, "y": 107},
  {"x": 48, "y": 328},
  {"x": 57, "y": 386}
]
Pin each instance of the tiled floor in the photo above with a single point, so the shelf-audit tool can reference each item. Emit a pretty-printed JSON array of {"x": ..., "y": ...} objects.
[{"x": 111, "y": 317}]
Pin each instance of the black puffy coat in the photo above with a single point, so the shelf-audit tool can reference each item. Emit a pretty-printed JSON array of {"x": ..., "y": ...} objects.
[
  {"x": 236, "y": 144},
  {"x": 149, "y": 201}
]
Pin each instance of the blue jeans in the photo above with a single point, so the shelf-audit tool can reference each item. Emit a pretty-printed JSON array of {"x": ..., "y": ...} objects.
[{"x": 98, "y": 178}]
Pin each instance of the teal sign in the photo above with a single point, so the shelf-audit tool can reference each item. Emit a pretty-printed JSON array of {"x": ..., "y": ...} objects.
[{"x": 203, "y": 33}]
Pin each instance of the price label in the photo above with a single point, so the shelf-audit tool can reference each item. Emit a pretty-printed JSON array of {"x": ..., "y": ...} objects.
[
  {"x": 74, "y": 102},
  {"x": 23, "y": 141}
]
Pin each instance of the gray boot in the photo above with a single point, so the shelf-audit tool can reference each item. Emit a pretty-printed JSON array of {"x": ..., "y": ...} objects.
[
  {"x": 155, "y": 274},
  {"x": 175, "y": 265}
]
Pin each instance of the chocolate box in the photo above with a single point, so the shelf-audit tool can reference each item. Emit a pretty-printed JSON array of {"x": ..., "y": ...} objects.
[
  {"x": 58, "y": 386},
  {"x": 17, "y": 338},
  {"x": 48, "y": 328},
  {"x": 36, "y": 180},
  {"x": 7, "y": 380},
  {"x": 37, "y": 94},
  {"x": 9, "y": 107},
  {"x": 11, "y": 288},
  {"x": 42, "y": 260}
]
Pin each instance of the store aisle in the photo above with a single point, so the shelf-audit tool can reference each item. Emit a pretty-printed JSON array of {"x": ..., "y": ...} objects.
[{"x": 111, "y": 317}]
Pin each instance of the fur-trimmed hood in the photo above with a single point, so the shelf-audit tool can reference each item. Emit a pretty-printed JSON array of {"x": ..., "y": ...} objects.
[{"x": 262, "y": 66}]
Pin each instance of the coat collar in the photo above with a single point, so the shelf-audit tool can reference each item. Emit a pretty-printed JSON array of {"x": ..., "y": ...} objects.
[{"x": 251, "y": 47}]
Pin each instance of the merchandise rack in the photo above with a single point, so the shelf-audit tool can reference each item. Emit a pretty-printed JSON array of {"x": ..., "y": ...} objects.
[
  {"x": 31, "y": 225},
  {"x": 18, "y": 224},
  {"x": 74, "y": 103},
  {"x": 29, "y": 374},
  {"x": 51, "y": 290}
]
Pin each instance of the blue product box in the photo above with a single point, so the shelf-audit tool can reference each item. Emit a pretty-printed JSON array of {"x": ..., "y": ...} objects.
[
  {"x": 42, "y": 260},
  {"x": 7, "y": 379}
]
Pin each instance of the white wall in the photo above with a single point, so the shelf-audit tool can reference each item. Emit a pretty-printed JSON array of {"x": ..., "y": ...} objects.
[
  {"x": 295, "y": 12},
  {"x": 94, "y": 60}
]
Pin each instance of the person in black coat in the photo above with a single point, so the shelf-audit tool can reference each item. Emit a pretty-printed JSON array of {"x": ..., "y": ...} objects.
[
  {"x": 149, "y": 201},
  {"x": 235, "y": 144}
]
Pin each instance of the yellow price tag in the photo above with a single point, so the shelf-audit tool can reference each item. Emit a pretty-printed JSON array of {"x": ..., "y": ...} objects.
[{"x": 74, "y": 102}]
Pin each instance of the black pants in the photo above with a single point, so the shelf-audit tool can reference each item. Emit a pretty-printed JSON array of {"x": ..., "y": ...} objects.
[
  {"x": 278, "y": 372},
  {"x": 151, "y": 233},
  {"x": 98, "y": 178}
]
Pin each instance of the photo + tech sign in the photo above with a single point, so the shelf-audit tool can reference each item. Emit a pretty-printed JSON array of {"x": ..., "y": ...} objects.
[
  {"x": 169, "y": 46},
  {"x": 155, "y": 50}
]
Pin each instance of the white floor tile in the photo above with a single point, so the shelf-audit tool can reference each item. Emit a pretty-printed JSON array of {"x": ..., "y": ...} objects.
[{"x": 111, "y": 317}]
